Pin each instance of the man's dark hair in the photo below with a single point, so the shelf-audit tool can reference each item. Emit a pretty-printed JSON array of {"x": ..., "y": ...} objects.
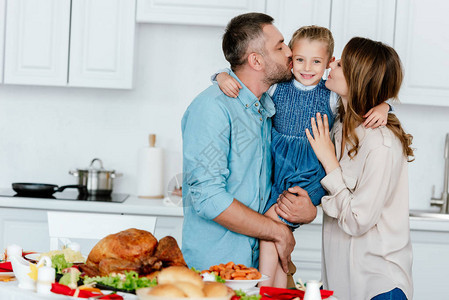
[{"x": 240, "y": 31}]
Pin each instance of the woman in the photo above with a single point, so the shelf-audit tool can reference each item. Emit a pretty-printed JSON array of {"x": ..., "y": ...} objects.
[{"x": 367, "y": 253}]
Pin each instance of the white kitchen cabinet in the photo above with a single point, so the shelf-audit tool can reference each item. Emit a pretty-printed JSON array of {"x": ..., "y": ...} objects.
[
  {"x": 169, "y": 226},
  {"x": 430, "y": 263},
  {"x": 372, "y": 19},
  {"x": 101, "y": 43},
  {"x": 27, "y": 228},
  {"x": 82, "y": 43},
  {"x": 289, "y": 15},
  {"x": 2, "y": 36},
  {"x": 422, "y": 43},
  {"x": 307, "y": 253},
  {"x": 195, "y": 12},
  {"x": 37, "y": 42}
]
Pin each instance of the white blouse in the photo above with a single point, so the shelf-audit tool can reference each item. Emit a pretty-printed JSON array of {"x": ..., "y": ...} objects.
[{"x": 366, "y": 232}]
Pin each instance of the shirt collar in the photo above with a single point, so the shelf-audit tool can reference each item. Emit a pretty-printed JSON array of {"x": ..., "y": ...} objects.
[
  {"x": 247, "y": 98},
  {"x": 303, "y": 87}
]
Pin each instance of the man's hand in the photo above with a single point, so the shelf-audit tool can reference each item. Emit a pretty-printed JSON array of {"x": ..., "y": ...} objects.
[
  {"x": 241, "y": 219},
  {"x": 295, "y": 206},
  {"x": 285, "y": 243}
]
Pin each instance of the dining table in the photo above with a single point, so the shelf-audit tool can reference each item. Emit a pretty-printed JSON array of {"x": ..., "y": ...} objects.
[{"x": 11, "y": 291}]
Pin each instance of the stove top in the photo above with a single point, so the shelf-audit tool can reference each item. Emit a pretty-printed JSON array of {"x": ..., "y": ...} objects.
[{"x": 69, "y": 195}]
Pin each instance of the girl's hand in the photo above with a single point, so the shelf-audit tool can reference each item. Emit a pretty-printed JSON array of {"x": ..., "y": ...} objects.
[
  {"x": 228, "y": 85},
  {"x": 321, "y": 143},
  {"x": 377, "y": 116}
]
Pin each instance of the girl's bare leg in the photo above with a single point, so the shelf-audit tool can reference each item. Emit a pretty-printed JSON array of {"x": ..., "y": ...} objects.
[{"x": 269, "y": 260}]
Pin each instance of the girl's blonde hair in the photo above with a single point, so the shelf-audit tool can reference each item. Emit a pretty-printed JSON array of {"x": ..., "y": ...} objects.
[
  {"x": 314, "y": 33},
  {"x": 373, "y": 72}
]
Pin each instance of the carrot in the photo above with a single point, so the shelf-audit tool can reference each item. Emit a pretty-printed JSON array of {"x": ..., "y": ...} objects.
[{"x": 232, "y": 271}]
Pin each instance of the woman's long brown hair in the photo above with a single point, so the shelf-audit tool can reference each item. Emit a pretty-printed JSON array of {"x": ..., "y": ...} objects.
[{"x": 373, "y": 72}]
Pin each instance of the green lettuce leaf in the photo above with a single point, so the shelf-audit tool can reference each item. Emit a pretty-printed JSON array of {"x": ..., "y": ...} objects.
[
  {"x": 59, "y": 263},
  {"x": 131, "y": 281},
  {"x": 244, "y": 296}
]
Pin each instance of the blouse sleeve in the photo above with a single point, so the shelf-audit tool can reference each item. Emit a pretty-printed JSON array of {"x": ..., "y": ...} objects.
[{"x": 358, "y": 208}]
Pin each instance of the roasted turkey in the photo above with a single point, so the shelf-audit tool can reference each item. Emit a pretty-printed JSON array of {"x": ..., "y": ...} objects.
[{"x": 132, "y": 250}]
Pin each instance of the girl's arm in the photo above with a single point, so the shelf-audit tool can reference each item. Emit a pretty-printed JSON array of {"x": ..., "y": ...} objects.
[
  {"x": 377, "y": 116},
  {"x": 228, "y": 84},
  {"x": 213, "y": 78},
  {"x": 356, "y": 203}
]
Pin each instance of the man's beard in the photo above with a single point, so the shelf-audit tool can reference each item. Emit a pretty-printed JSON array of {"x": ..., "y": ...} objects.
[{"x": 277, "y": 73}]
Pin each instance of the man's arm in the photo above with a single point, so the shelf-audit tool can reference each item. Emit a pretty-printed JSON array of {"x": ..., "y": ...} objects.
[
  {"x": 241, "y": 219},
  {"x": 206, "y": 137}
]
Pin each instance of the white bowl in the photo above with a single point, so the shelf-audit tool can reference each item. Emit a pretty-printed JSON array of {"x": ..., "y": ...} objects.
[{"x": 244, "y": 284}]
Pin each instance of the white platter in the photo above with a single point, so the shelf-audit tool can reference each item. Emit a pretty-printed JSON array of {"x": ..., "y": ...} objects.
[{"x": 35, "y": 257}]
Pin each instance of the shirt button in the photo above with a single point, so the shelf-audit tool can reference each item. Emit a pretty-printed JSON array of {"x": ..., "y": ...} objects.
[
  {"x": 258, "y": 111},
  {"x": 257, "y": 104},
  {"x": 247, "y": 105},
  {"x": 261, "y": 119}
]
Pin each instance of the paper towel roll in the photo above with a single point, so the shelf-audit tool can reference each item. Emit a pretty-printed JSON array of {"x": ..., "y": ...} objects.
[{"x": 151, "y": 171}]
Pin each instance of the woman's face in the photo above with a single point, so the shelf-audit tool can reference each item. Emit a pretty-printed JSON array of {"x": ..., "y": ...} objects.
[{"x": 336, "y": 81}]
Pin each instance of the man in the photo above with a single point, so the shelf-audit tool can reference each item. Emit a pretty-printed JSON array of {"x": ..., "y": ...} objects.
[{"x": 227, "y": 160}]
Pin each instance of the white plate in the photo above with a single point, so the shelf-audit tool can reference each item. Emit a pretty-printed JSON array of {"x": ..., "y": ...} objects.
[
  {"x": 32, "y": 256},
  {"x": 245, "y": 284},
  {"x": 35, "y": 257}
]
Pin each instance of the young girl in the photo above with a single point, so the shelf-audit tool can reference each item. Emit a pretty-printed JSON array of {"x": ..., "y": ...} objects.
[
  {"x": 296, "y": 101},
  {"x": 367, "y": 252}
]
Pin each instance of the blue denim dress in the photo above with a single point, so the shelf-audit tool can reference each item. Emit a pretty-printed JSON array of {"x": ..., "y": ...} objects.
[{"x": 295, "y": 163}]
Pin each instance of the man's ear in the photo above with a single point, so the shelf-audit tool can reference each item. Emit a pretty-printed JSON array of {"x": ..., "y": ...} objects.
[
  {"x": 330, "y": 60},
  {"x": 255, "y": 61}
]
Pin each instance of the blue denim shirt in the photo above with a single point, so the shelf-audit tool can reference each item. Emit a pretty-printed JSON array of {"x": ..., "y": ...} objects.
[{"x": 226, "y": 156}]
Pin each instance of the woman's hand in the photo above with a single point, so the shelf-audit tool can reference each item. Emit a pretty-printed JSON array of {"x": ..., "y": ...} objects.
[
  {"x": 377, "y": 116},
  {"x": 228, "y": 85},
  {"x": 321, "y": 143}
]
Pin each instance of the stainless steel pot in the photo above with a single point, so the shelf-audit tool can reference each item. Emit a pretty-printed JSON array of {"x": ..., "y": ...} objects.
[{"x": 98, "y": 180}]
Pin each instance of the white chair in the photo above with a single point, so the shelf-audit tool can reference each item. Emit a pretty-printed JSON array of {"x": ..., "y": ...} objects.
[{"x": 63, "y": 226}]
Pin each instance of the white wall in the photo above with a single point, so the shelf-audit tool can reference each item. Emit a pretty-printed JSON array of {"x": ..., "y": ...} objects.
[{"x": 47, "y": 131}]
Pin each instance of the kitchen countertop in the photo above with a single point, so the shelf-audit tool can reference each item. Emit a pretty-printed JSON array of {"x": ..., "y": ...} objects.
[
  {"x": 132, "y": 205},
  {"x": 156, "y": 207}
]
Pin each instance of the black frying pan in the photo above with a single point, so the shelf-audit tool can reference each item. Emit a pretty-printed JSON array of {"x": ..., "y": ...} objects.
[{"x": 42, "y": 189}]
